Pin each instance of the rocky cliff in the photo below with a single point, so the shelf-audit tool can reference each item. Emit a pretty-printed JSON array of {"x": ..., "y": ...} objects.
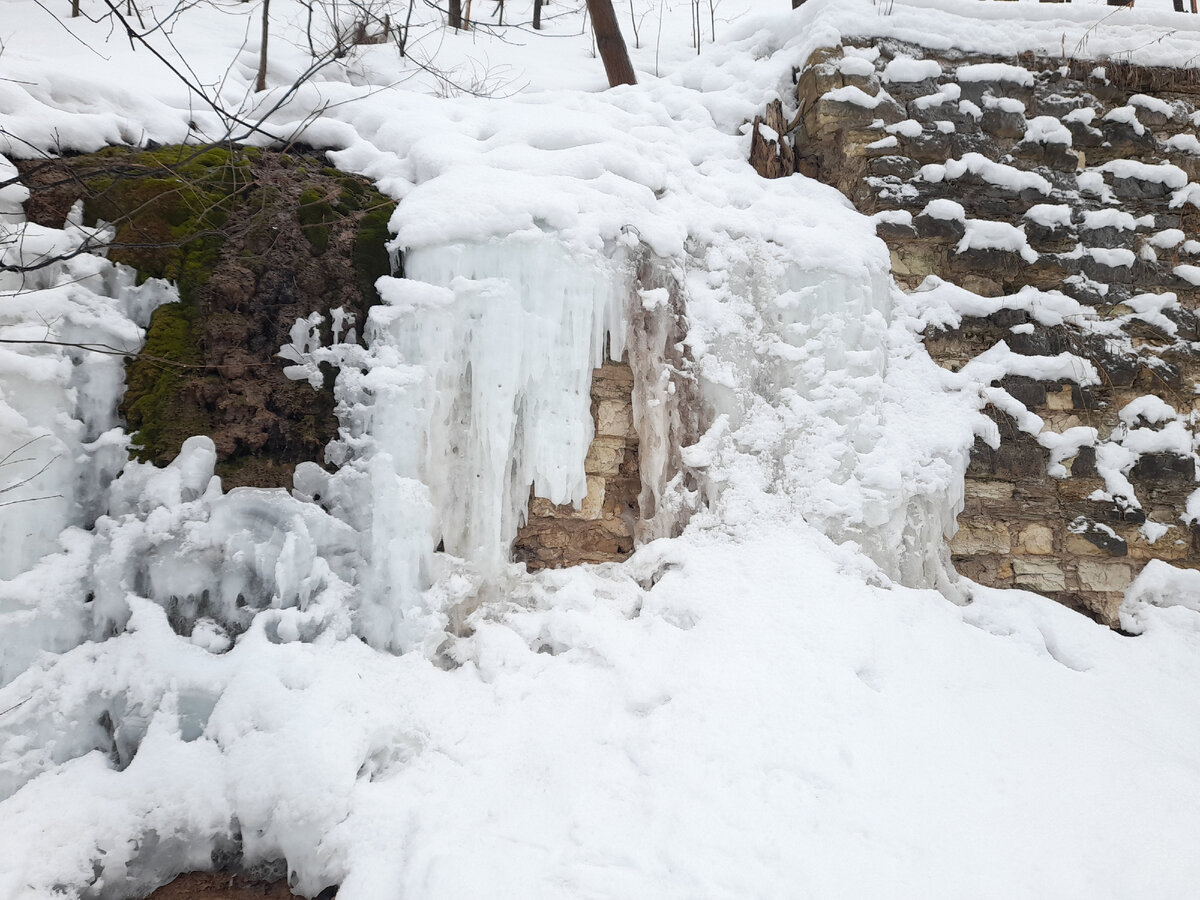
[{"x": 1041, "y": 213}]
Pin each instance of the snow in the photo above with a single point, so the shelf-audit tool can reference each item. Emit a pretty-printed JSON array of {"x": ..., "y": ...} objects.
[
  {"x": 985, "y": 235},
  {"x": 1118, "y": 256},
  {"x": 1004, "y": 104},
  {"x": 1184, "y": 143},
  {"x": 902, "y": 69},
  {"x": 1152, "y": 104},
  {"x": 998, "y": 72},
  {"x": 1002, "y": 175},
  {"x": 1047, "y": 130},
  {"x": 1153, "y": 409},
  {"x": 909, "y": 128},
  {"x": 944, "y": 209},
  {"x": 855, "y": 96},
  {"x": 1085, "y": 115},
  {"x": 1049, "y": 215},
  {"x": 1190, "y": 274},
  {"x": 781, "y": 674},
  {"x": 948, "y": 93},
  {"x": 856, "y": 65},
  {"x": 1126, "y": 115},
  {"x": 1162, "y": 173},
  {"x": 1095, "y": 219}
]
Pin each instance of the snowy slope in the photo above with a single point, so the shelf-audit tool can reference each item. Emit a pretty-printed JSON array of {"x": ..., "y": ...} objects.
[{"x": 792, "y": 699}]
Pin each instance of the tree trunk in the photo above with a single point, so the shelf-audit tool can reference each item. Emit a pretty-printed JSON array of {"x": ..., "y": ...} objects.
[
  {"x": 260, "y": 83},
  {"x": 610, "y": 44},
  {"x": 74, "y": 9},
  {"x": 456, "y": 14},
  {"x": 537, "y": 14}
]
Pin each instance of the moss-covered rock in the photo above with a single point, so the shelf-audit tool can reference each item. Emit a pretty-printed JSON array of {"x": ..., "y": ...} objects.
[{"x": 254, "y": 239}]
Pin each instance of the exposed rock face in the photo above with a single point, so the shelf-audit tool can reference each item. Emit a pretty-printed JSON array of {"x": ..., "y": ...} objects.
[
  {"x": 601, "y": 530},
  {"x": 254, "y": 240},
  {"x": 1060, "y": 199},
  {"x": 219, "y": 886}
]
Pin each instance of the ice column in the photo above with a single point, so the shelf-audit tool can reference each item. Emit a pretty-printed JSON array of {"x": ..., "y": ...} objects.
[{"x": 505, "y": 353}]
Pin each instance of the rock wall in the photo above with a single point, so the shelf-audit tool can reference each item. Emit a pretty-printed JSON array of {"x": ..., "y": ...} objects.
[
  {"x": 602, "y": 529},
  {"x": 1042, "y": 215},
  {"x": 254, "y": 239}
]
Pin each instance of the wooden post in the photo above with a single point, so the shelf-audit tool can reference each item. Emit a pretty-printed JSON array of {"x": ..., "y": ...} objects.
[{"x": 610, "y": 44}]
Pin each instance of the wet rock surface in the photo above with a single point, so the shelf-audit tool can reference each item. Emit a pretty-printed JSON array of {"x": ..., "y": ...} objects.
[{"x": 254, "y": 239}]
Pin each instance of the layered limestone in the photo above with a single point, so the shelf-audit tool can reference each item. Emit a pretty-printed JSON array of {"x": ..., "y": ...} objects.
[
  {"x": 1042, "y": 214},
  {"x": 602, "y": 528}
]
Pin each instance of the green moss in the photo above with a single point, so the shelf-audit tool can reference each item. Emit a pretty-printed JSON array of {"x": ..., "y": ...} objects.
[
  {"x": 154, "y": 405},
  {"x": 316, "y": 214},
  {"x": 370, "y": 256},
  {"x": 170, "y": 205}
]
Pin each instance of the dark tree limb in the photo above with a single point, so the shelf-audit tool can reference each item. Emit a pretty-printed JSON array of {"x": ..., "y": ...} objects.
[{"x": 610, "y": 44}]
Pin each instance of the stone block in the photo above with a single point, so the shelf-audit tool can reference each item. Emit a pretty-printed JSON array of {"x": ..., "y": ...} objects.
[
  {"x": 1104, "y": 576},
  {"x": 984, "y": 287},
  {"x": 604, "y": 456},
  {"x": 614, "y": 419},
  {"x": 989, "y": 490},
  {"x": 1171, "y": 546},
  {"x": 993, "y": 571},
  {"x": 1035, "y": 540},
  {"x": 1078, "y": 545},
  {"x": 1061, "y": 399},
  {"x": 1039, "y": 574},
  {"x": 593, "y": 503},
  {"x": 973, "y": 538}
]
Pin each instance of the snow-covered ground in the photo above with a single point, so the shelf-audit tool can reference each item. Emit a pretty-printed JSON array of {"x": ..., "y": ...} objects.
[{"x": 792, "y": 699}]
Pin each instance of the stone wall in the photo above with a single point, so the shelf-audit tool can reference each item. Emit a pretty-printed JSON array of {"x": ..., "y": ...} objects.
[
  {"x": 1044, "y": 213},
  {"x": 601, "y": 530}
]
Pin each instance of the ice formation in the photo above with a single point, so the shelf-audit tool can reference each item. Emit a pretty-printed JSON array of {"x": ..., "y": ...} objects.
[
  {"x": 301, "y": 680},
  {"x": 60, "y": 436}
]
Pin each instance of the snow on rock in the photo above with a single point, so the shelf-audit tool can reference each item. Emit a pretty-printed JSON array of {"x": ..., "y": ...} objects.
[
  {"x": 903, "y": 69},
  {"x": 1094, "y": 219},
  {"x": 998, "y": 72},
  {"x": 985, "y": 235},
  {"x": 1166, "y": 174},
  {"x": 1190, "y": 274},
  {"x": 1050, "y": 215},
  {"x": 1184, "y": 143},
  {"x": 944, "y": 209},
  {"x": 1047, "y": 130},
  {"x": 1152, "y": 104},
  {"x": 1126, "y": 115},
  {"x": 1163, "y": 586},
  {"x": 1004, "y": 176},
  {"x": 855, "y": 96},
  {"x": 909, "y": 128}
]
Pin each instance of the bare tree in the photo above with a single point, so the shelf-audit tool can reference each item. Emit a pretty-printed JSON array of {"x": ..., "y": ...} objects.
[
  {"x": 260, "y": 83},
  {"x": 610, "y": 43}
]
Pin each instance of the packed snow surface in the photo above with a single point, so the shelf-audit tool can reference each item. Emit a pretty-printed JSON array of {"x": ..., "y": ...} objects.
[{"x": 787, "y": 694}]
